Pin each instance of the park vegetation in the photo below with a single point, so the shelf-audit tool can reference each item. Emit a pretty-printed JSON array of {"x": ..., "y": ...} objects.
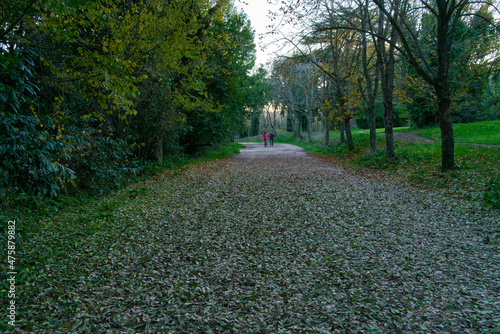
[
  {"x": 94, "y": 92},
  {"x": 388, "y": 64},
  {"x": 99, "y": 94}
]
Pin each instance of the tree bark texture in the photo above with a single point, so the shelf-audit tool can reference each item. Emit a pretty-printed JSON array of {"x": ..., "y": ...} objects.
[
  {"x": 342, "y": 132},
  {"x": 350, "y": 142},
  {"x": 446, "y": 127},
  {"x": 327, "y": 129}
]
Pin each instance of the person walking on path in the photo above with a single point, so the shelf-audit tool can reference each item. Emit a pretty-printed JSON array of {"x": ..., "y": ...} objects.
[
  {"x": 271, "y": 139},
  {"x": 265, "y": 136}
]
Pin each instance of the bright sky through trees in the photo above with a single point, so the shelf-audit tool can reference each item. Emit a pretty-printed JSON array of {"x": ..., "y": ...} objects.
[{"x": 259, "y": 13}]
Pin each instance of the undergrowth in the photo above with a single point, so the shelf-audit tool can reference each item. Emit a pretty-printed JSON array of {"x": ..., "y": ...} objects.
[{"x": 26, "y": 209}]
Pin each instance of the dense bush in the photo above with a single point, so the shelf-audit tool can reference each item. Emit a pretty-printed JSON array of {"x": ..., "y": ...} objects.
[
  {"x": 30, "y": 153},
  {"x": 105, "y": 164},
  {"x": 83, "y": 100}
]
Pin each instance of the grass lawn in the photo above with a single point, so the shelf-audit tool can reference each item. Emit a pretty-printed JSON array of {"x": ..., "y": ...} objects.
[{"x": 478, "y": 133}]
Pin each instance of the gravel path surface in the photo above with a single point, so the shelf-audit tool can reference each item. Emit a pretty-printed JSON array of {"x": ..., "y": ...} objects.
[{"x": 275, "y": 240}]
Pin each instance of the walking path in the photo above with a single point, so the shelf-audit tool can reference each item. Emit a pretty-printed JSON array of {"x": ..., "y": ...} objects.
[{"x": 275, "y": 240}]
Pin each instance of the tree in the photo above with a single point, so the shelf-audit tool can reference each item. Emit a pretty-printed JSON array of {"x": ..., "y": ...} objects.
[
  {"x": 97, "y": 85},
  {"x": 386, "y": 66},
  {"x": 298, "y": 82},
  {"x": 431, "y": 59},
  {"x": 368, "y": 75}
]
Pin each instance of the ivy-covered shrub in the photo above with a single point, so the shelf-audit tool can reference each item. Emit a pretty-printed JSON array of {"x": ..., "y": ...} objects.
[{"x": 105, "y": 164}]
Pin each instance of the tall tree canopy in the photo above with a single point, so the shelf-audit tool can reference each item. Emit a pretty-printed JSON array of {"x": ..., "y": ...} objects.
[{"x": 89, "y": 88}]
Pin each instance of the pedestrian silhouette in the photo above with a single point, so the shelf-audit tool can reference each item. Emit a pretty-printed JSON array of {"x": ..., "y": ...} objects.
[
  {"x": 265, "y": 136},
  {"x": 271, "y": 139}
]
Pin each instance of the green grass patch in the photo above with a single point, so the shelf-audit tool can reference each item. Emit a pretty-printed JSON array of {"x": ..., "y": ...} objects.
[
  {"x": 487, "y": 133},
  {"x": 223, "y": 151}
]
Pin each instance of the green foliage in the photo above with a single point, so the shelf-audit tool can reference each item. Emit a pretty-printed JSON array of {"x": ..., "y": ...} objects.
[
  {"x": 104, "y": 165},
  {"x": 114, "y": 83},
  {"x": 29, "y": 153},
  {"x": 230, "y": 84},
  {"x": 376, "y": 160},
  {"x": 472, "y": 79},
  {"x": 492, "y": 193}
]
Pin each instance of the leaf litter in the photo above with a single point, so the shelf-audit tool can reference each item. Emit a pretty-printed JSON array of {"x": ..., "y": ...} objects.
[{"x": 273, "y": 240}]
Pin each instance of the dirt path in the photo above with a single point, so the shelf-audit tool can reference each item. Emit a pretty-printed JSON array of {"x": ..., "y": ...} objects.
[{"x": 275, "y": 240}]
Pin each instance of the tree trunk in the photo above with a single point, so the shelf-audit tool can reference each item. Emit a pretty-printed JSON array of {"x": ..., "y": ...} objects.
[
  {"x": 372, "y": 115},
  {"x": 446, "y": 126},
  {"x": 350, "y": 142},
  {"x": 156, "y": 153},
  {"x": 327, "y": 129},
  {"x": 388, "y": 96},
  {"x": 342, "y": 131},
  {"x": 372, "y": 81},
  {"x": 443, "y": 94},
  {"x": 309, "y": 125},
  {"x": 289, "y": 122},
  {"x": 296, "y": 133},
  {"x": 389, "y": 133},
  {"x": 385, "y": 63}
]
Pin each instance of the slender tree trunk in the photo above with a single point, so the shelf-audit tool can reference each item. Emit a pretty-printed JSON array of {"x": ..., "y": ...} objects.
[
  {"x": 443, "y": 94},
  {"x": 274, "y": 123},
  {"x": 296, "y": 133},
  {"x": 388, "y": 93},
  {"x": 289, "y": 122},
  {"x": 372, "y": 82},
  {"x": 327, "y": 129},
  {"x": 386, "y": 63},
  {"x": 372, "y": 116},
  {"x": 309, "y": 125},
  {"x": 446, "y": 127},
  {"x": 389, "y": 132},
  {"x": 388, "y": 96},
  {"x": 342, "y": 132},
  {"x": 350, "y": 142},
  {"x": 156, "y": 153}
]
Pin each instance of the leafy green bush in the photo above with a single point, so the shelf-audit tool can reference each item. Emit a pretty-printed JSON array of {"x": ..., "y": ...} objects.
[
  {"x": 29, "y": 154},
  {"x": 105, "y": 165}
]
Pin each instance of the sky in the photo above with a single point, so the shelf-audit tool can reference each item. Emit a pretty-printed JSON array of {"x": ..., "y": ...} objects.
[{"x": 258, "y": 13}]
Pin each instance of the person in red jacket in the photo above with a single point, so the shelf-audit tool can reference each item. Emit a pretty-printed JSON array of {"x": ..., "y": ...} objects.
[{"x": 265, "y": 136}]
